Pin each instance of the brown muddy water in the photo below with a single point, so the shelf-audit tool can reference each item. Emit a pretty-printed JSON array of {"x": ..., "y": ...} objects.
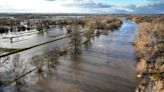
[{"x": 107, "y": 64}]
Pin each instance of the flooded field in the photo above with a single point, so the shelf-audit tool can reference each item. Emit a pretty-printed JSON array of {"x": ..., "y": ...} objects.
[
  {"x": 30, "y": 38},
  {"x": 107, "y": 64}
]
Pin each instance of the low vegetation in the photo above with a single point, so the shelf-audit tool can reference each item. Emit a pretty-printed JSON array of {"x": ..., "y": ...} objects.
[
  {"x": 96, "y": 25},
  {"x": 103, "y": 23},
  {"x": 149, "y": 46}
]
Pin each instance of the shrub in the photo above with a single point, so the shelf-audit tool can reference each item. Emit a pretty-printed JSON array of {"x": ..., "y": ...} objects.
[
  {"x": 149, "y": 48},
  {"x": 159, "y": 64}
]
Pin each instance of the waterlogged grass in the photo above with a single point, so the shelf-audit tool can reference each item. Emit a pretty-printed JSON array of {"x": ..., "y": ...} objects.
[{"x": 7, "y": 50}]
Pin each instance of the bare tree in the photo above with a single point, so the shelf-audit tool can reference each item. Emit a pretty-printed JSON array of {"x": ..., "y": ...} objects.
[
  {"x": 38, "y": 61},
  {"x": 3, "y": 62},
  {"x": 18, "y": 69},
  {"x": 88, "y": 33},
  {"x": 69, "y": 30},
  {"x": 51, "y": 56},
  {"x": 75, "y": 39}
]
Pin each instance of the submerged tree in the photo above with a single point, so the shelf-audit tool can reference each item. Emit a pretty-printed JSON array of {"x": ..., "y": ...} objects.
[
  {"x": 69, "y": 30},
  {"x": 51, "y": 56},
  {"x": 3, "y": 62},
  {"x": 88, "y": 33},
  {"x": 18, "y": 69},
  {"x": 75, "y": 39},
  {"x": 38, "y": 61}
]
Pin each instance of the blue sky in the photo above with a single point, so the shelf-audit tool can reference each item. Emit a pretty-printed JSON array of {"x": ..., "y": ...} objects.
[{"x": 83, "y": 6}]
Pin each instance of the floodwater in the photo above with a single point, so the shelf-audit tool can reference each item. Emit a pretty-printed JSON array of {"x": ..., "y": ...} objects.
[
  {"x": 107, "y": 64},
  {"x": 30, "y": 38}
]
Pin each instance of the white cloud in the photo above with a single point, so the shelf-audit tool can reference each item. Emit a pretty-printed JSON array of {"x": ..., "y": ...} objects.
[
  {"x": 127, "y": 9},
  {"x": 76, "y": 6},
  {"x": 29, "y": 5},
  {"x": 40, "y": 6}
]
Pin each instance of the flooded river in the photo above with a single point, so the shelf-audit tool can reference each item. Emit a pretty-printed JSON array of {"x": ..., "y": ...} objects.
[{"x": 107, "y": 64}]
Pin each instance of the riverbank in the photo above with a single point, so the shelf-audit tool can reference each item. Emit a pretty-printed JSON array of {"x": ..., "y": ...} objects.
[{"x": 149, "y": 47}]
